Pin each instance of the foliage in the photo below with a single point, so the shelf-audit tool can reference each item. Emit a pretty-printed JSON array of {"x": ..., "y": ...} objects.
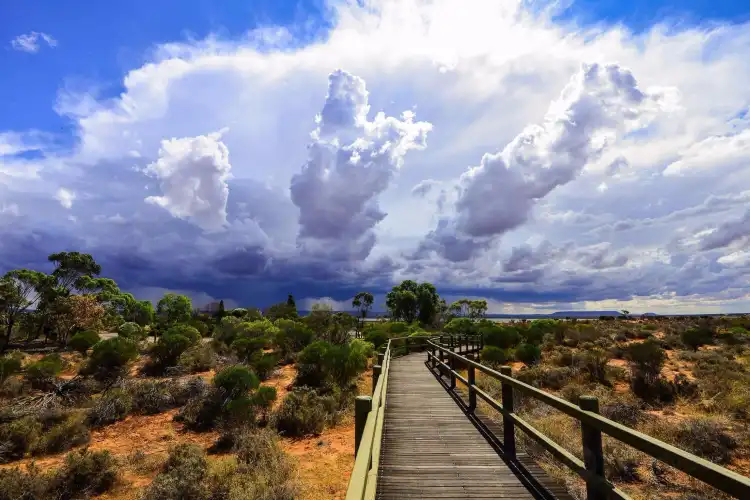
[
  {"x": 264, "y": 365},
  {"x": 303, "y": 412},
  {"x": 75, "y": 313},
  {"x": 140, "y": 312},
  {"x": 646, "y": 357},
  {"x": 189, "y": 332},
  {"x": 168, "y": 349},
  {"x": 410, "y": 301},
  {"x": 18, "y": 437},
  {"x": 376, "y": 337},
  {"x": 321, "y": 363},
  {"x": 198, "y": 358},
  {"x": 19, "y": 289},
  {"x": 504, "y": 337},
  {"x": 112, "y": 406},
  {"x": 10, "y": 364},
  {"x": 696, "y": 337},
  {"x": 530, "y": 354},
  {"x": 235, "y": 381},
  {"x": 41, "y": 372},
  {"x": 329, "y": 326},
  {"x": 473, "y": 309},
  {"x": 706, "y": 438},
  {"x": 83, "y": 341},
  {"x": 18, "y": 485},
  {"x": 174, "y": 308},
  {"x": 292, "y": 336},
  {"x": 84, "y": 473},
  {"x": 363, "y": 303},
  {"x": 109, "y": 357},
  {"x": 282, "y": 310},
  {"x": 67, "y": 434},
  {"x": 130, "y": 330},
  {"x": 149, "y": 397},
  {"x": 182, "y": 477},
  {"x": 494, "y": 356},
  {"x": 460, "y": 326}
]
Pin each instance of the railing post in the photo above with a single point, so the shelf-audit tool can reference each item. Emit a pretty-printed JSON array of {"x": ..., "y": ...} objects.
[
  {"x": 434, "y": 361},
  {"x": 408, "y": 345},
  {"x": 362, "y": 407},
  {"x": 593, "y": 456},
  {"x": 452, "y": 365},
  {"x": 375, "y": 376},
  {"x": 509, "y": 428},
  {"x": 381, "y": 356},
  {"x": 472, "y": 393}
]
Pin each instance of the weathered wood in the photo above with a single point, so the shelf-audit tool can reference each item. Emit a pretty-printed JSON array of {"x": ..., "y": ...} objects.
[
  {"x": 593, "y": 456},
  {"x": 362, "y": 407},
  {"x": 430, "y": 449},
  {"x": 509, "y": 430}
]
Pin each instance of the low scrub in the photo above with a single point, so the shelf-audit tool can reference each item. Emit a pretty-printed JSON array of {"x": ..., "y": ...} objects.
[
  {"x": 83, "y": 474},
  {"x": 112, "y": 406},
  {"x": 322, "y": 364},
  {"x": 18, "y": 437},
  {"x": 110, "y": 357},
  {"x": 31, "y": 484},
  {"x": 303, "y": 412},
  {"x": 132, "y": 331},
  {"x": 529, "y": 354},
  {"x": 43, "y": 372},
  {"x": 61, "y": 437},
  {"x": 83, "y": 341},
  {"x": 182, "y": 476},
  {"x": 706, "y": 438},
  {"x": 199, "y": 358},
  {"x": 10, "y": 364},
  {"x": 167, "y": 351},
  {"x": 150, "y": 397},
  {"x": 494, "y": 356}
]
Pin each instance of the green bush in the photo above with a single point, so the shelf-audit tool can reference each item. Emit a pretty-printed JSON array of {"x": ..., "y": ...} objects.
[
  {"x": 646, "y": 357},
  {"x": 150, "y": 397},
  {"x": 18, "y": 485},
  {"x": 112, "y": 406},
  {"x": 189, "y": 332},
  {"x": 63, "y": 436},
  {"x": 130, "y": 330},
  {"x": 706, "y": 438},
  {"x": 10, "y": 364},
  {"x": 83, "y": 341},
  {"x": 203, "y": 411},
  {"x": 377, "y": 337},
  {"x": 109, "y": 357},
  {"x": 546, "y": 377},
  {"x": 302, "y": 413},
  {"x": 83, "y": 474},
  {"x": 263, "y": 398},
  {"x": 503, "y": 337},
  {"x": 18, "y": 437},
  {"x": 168, "y": 349},
  {"x": 236, "y": 381},
  {"x": 293, "y": 335},
  {"x": 42, "y": 372},
  {"x": 592, "y": 364},
  {"x": 528, "y": 353},
  {"x": 182, "y": 477},
  {"x": 494, "y": 356},
  {"x": 264, "y": 365},
  {"x": 246, "y": 348},
  {"x": 198, "y": 358},
  {"x": 459, "y": 326},
  {"x": 321, "y": 364},
  {"x": 696, "y": 337}
]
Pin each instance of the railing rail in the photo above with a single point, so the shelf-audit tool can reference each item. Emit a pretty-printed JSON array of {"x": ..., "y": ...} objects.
[{"x": 591, "y": 469}]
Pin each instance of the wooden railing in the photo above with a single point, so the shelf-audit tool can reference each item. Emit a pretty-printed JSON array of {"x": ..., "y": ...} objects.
[{"x": 591, "y": 469}]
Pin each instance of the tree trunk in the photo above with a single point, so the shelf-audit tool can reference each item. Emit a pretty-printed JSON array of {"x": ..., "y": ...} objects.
[{"x": 6, "y": 340}]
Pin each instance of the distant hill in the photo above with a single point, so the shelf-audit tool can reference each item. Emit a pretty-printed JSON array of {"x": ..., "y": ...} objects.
[{"x": 584, "y": 314}]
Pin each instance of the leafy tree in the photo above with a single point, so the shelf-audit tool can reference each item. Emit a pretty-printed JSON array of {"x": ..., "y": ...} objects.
[
  {"x": 530, "y": 354},
  {"x": 221, "y": 312},
  {"x": 141, "y": 312},
  {"x": 503, "y": 337},
  {"x": 73, "y": 270},
  {"x": 109, "y": 357},
  {"x": 293, "y": 335},
  {"x": 282, "y": 310},
  {"x": 494, "y": 356},
  {"x": 174, "y": 308},
  {"x": 19, "y": 289},
  {"x": 410, "y": 301},
  {"x": 236, "y": 381},
  {"x": 131, "y": 331},
  {"x": 75, "y": 313},
  {"x": 477, "y": 309},
  {"x": 290, "y": 302},
  {"x": 363, "y": 303},
  {"x": 189, "y": 332},
  {"x": 460, "y": 326},
  {"x": 167, "y": 350}
]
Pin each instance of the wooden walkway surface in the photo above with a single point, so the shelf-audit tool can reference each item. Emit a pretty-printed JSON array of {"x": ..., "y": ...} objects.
[{"x": 430, "y": 448}]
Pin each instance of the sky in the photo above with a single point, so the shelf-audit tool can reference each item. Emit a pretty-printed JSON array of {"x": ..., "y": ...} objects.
[{"x": 541, "y": 155}]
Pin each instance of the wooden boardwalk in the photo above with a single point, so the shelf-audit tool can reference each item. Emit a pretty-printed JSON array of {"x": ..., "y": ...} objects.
[{"x": 430, "y": 448}]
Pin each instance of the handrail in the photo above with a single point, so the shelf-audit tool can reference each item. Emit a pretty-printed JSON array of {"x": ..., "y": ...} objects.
[{"x": 593, "y": 425}]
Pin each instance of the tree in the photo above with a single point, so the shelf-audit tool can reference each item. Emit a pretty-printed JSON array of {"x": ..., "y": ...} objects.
[
  {"x": 19, "y": 289},
  {"x": 477, "y": 309},
  {"x": 76, "y": 313},
  {"x": 174, "y": 308},
  {"x": 73, "y": 269},
  {"x": 221, "y": 312},
  {"x": 281, "y": 310},
  {"x": 290, "y": 301},
  {"x": 411, "y": 300},
  {"x": 363, "y": 302},
  {"x": 142, "y": 313}
]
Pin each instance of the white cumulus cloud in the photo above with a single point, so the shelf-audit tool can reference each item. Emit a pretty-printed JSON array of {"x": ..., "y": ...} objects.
[{"x": 31, "y": 42}]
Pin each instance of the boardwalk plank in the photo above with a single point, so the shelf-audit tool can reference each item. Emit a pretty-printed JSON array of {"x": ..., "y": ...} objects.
[{"x": 430, "y": 449}]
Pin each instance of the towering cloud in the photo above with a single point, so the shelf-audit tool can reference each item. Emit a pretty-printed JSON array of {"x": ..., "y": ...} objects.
[
  {"x": 599, "y": 103},
  {"x": 193, "y": 174},
  {"x": 351, "y": 160}
]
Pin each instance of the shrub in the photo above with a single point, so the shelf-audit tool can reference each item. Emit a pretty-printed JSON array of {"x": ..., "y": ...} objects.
[
  {"x": 263, "y": 398},
  {"x": 182, "y": 477},
  {"x": 528, "y": 353},
  {"x": 503, "y": 337},
  {"x": 545, "y": 377},
  {"x": 647, "y": 357},
  {"x": 494, "y": 356},
  {"x": 706, "y": 438},
  {"x": 150, "y": 397},
  {"x": 293, "y": 335},
  {"x": 109, "y": 357},
  {"x": 168, "y": 349},
  {"x": 264, "y": 365},
  {"x": 10, "y": 364},
  {"x": 63, "y": 436},
  {"x": 83, "y": 341},
  {"x": 130, "y": 330},
  {"x": 189, "y": 332},
  {"x": 18, "y": 437},
  {"x": 621, "y": 461},
  {"x": 303, "y": 412},
  {"x": 203, "y": 411},
  {"x": 114, "y": 405},
  {"x": 18, "y": 485},
  {"x": 42, "y": 372},
  {"x": 84, "y": 473},
  {"x": 236, "y": 381},
  {"x": 198, "y": 358},
  {"x": 246, "y": 348},
  {"x": 182, "y": 391},
  {"x": 592, "y": 364},
  {"x": 321, "y": 364},
  {"x": 454, "y": 326},
  {"x": 696, "y": 337},
  {"x": 376, "y": 337},
  {"x": 623, "y": 412}
]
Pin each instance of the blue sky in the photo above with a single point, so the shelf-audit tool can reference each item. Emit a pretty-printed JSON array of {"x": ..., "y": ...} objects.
[{"x": 210, "y": 152}]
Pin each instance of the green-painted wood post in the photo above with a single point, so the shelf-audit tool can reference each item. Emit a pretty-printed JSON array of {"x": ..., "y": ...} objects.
[
  {"x": 593, "y": 456},
  {"x": 381, "y": 356},
  {"x": 362, "y": 407},
  {"x": 472, "y": 392},
  {"x": 375, "y": 376},
  {"x": 452, "y": 365},
  {"x": 509, "y": 428}
]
